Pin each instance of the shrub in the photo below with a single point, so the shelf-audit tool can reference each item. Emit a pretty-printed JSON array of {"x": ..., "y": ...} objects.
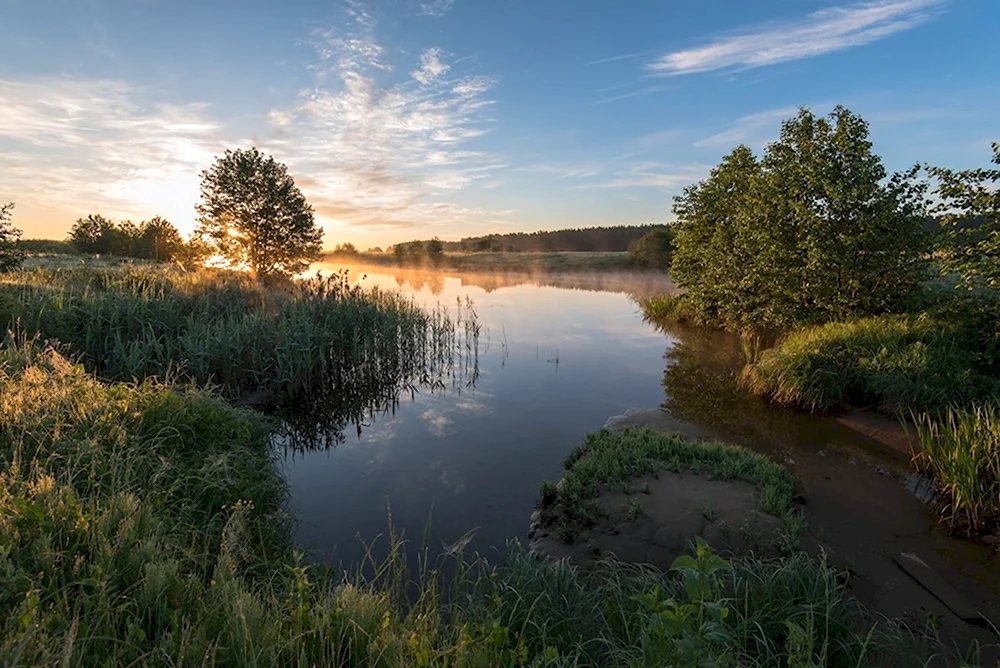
[{"x": 895, "y": 363}]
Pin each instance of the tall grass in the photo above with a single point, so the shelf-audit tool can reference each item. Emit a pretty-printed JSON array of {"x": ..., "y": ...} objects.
[
  {"x": 960, "y": 449},
  {"x": 143, "y": 524},
  {"x": 321, "y": 346},
  {"x": 894, "y": 363}
]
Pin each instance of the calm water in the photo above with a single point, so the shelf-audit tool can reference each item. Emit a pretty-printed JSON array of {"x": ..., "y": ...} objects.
[
  {"x": 558, "y": 355},
  {"x": 555, "y": 363}
]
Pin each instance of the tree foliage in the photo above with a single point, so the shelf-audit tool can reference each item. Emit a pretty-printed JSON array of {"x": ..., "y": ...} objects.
[
  {"x": 970, "y": 212},
  {"x": 811, "y": 232},
  {"x": 11, "y": 253},
  {"x": 155, "y": 239},
  {"x": 253, "y": 214},
  {"x": 653, "y": 249}
]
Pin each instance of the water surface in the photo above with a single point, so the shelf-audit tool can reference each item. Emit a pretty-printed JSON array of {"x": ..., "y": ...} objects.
[{"x": 554, "y": 363}]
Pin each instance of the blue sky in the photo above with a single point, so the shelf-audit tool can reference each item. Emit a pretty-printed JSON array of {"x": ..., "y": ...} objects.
[{"x": 413, "y": 118}]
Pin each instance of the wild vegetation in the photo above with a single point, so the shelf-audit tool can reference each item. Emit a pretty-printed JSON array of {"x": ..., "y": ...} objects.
[
  {"x": 607, "y": 459},
  {"x": 156, "y": 239},
  {"x": 960, "y": 449},
  {"x": 143, "y": 524},
  {"x": 815, "y": 247},
  {"x": 654, "y": 249},
  {"x": 611, "y": 239},
  {"x": 11, "y": 252},
  {"x": 281, "y": 345},
  {"x": 811, "y": 232}
]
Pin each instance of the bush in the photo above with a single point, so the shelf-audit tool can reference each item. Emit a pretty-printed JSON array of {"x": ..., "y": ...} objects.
[
  {"x": 11, "y": 252},
  {"x": 895, "y": 363},
  {"x": 811, "y": 232},
  {"x": 653, "y": 249}
]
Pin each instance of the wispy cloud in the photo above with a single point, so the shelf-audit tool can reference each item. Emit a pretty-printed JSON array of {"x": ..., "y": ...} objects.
[
  {"x": 94, "y": 145},
  {"x": 436, "y": 7},
  {"x": 624, "y": 96},
  {"x": 823, "y": 31},
  {"x": 754, "y": 130},
  {"x": 654, "y": 175},
  {"x": 384, "y": 154}
]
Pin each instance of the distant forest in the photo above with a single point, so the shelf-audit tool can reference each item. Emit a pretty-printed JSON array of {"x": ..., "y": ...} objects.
[{"x": 589, "y": 239}]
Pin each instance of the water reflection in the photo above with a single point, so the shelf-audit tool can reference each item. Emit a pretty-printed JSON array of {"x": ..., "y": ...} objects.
[{"x": 553, "y": 363}]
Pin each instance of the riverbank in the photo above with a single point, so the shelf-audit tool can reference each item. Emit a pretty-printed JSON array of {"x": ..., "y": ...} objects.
[{"x": 650, "y": 518}]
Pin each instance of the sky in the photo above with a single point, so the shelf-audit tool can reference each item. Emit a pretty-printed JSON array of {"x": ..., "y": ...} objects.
[{"x": 403, "y": 119}]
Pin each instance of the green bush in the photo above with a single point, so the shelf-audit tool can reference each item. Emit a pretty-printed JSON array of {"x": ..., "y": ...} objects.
[
  {"x": 895, "y": 363},
  {"x": 653, "y": 249},
  {"x": 811, "y": 232}
]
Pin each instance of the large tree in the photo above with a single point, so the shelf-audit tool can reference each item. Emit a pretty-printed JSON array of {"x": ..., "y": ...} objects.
[
  {"x": 253, "y": 214},
  {"x": 159, "y": 240},
  {"x": 970, "y": 211},
  {"x": 11, "y": 253},
  {"x": 813, "y": 231}
]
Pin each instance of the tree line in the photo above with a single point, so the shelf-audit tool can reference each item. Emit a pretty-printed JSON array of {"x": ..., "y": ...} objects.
[
  {"x": 612, "y": 239},
  {"x": 156, "y": 239}
]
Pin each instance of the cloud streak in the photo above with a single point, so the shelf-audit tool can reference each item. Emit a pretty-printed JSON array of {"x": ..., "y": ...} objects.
[
  {"x": 96, "y": 145},
  {"x": 823, "y": 31},
  {"x": 386, "y": 152}
]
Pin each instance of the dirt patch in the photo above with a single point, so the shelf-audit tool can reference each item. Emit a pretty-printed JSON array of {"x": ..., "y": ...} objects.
[{"x": 659, "y": 518}]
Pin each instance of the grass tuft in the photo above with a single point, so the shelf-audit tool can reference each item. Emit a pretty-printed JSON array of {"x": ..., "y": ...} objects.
[{"x": 961, "y": 451}]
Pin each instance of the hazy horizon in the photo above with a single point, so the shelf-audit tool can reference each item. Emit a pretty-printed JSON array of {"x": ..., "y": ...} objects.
[{"x": 404, "y": 119}]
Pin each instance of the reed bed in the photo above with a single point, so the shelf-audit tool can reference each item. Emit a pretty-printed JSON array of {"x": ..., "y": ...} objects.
[
  {"x": 310, "y": 347},
  {"x": 960, "y": 449}
]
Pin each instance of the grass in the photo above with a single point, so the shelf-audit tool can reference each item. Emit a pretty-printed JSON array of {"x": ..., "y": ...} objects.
[
  {"x": 894, "y": 363},
  {"x": 318, "y": 343},
  {"x": 961, "y": 451},
  {"x": 607, "y": 459},
  {"x": 143, "y": 524}
]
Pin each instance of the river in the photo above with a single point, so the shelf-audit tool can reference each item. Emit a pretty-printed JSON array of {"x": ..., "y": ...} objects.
[{"x": 559, "y": 355}]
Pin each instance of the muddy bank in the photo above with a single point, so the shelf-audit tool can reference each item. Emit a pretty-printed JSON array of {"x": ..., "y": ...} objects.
[
  {"x": 859, "y": 512},
  {"x": 659, "y": 518}
]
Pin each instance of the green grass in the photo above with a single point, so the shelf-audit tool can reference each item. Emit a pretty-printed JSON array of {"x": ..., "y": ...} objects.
[
  {"x": 960, "y": 449},
  {"x": 606, "y": 459},
  {"x": 291, "y": 344},
  {"x": 894, "y": 363},
  {"x": 669, "y": 308}
]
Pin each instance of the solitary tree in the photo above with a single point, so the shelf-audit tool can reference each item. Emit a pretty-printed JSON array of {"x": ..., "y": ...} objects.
[
  {"x": 253, "y": 214},
  {"x": 970, "y": 212},
  {"x": 813, "y": 231},
  {"x": 11, "y": 254}
]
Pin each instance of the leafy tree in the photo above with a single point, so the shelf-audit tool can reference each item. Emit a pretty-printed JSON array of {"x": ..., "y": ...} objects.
[
  {"x": 253, "y": 214},
  {"x": 653, "y": 249},
  {"x": 127, "y": 239},
  {"x": 11, "y": 253},
  {"x": 970, "y": 213},
  {"x": 434, "y": 250},
  {"x": 159, "y": 240},
  {"x": 811, "y": 232},
  {"x": 94, "y": 234}
]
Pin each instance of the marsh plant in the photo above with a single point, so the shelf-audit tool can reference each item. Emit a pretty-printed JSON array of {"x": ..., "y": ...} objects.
[
  {"x": 960, "y": 449},
  {"x": 322, "y": 353}
]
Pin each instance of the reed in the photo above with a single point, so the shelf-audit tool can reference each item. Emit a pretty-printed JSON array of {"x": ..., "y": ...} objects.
[
  {"x": 960, "y": 450},
  {"x": 316, "y": 346}
]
